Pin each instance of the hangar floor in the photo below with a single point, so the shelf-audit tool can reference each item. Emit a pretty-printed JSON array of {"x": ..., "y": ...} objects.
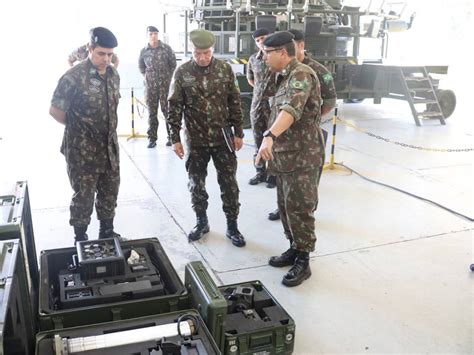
[{"x": 390, "y": 271}]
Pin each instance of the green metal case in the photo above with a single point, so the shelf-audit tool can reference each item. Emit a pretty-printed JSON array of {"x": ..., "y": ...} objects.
[
  {"x": 16, "y": 223},
  {"x": 207, "y": 299},
  {"x": 175, "y": 297},
  {"x": 45, "y": 340},
  {"x": 17, "y": 326},
  {"x": 244, "y": 318}
]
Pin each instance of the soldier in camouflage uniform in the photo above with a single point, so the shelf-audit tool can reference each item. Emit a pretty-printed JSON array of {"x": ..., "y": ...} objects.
[
  {"x": 262, "y": 79},
  {"x": 328, "y": 91},
  {"x": 295, "y": 144},
  {"x": 85, "y": 101},
  {"x": 81, "y": 53},
  {"x": 205, "y": 93},
  {"x": 157, "y": 63}
]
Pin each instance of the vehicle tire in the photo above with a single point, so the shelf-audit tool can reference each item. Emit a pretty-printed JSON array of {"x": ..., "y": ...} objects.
[
  {"x": 447, "y": 102},
  {"x": 245, "y": 103}
]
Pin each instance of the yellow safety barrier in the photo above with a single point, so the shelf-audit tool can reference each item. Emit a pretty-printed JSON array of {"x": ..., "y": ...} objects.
[
  {"x": 332, "y": 165},
  {"x": 133, "y": 134}
]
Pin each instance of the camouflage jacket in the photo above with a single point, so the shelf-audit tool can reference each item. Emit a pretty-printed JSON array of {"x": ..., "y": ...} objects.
[
  {"x": 157, "y": 64},
  {"x": 263, "y": 78},
  {"x": 328, "y": 91},
  {"x": 301, "y": 145},
  {"x": 81, "y": 53},
  {"x": 209, "y": 98},
  {"x": 90, "y": 103}
]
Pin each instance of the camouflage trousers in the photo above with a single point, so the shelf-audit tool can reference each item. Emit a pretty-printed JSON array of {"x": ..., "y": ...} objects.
[
  {"x": 154, "y": 97},
  {"x": 297, "y": 195},
  {"x": 259, "y": 116},
  {"x": 225, "y": 163},
  {"x": 87, "y": 186}
]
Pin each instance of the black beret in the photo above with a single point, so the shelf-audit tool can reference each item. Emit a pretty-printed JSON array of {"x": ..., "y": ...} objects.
[
  {"x": 152, "y": 29},
  {"x": 278, "y": 39},
  {"x": 299, "y": 36},
  {"x": 260, "y": 32},
  {"x": 103, "y": 37}
]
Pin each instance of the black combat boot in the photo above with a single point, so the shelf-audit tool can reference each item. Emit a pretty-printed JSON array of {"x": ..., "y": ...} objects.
[
  {"x": 80, "y": 233},
  {"x": 106, "y": 229},
  {"x": 201, "y": 228},
  {"x": 257, "y": 179},
  {"x": 274, "y": 216},
  {"x": 271, "y": 182},
  {"x": 151, "y": 143},
  {"x": 233, "y": 233},
  {"x": 286, "y": 259},
  {"x": 299, "y": 272}
]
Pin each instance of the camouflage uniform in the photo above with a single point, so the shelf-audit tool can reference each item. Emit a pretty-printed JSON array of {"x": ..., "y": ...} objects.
[
  {"x": 158, "y": 65},
  {"x": 81, "y": 53},
  {"x": 298, "y": 152},
  {"x": 328, "y": 91},
  {"x": 209, "y": 100},
  {"x": 263, "y": 89},
  {"x": 90, "y": 143}
]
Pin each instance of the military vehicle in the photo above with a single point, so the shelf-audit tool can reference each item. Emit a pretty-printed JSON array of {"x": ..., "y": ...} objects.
[{"x": 333, "y": 36}]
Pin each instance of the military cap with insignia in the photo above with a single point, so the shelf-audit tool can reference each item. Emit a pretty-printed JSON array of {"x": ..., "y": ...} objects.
[
  {"x": 299, "y": 36},
  {"x": 260, "y": 32},
  {"x": 202, "y": 39},
  {"x": 152, "y": 29},
  {"x": 102, "y": 37},
  {"x": 278, "y": 39}
]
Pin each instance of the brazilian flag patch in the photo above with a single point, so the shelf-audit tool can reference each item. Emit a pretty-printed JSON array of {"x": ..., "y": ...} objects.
[
  {"x": 298, "y": 85},
  {"x": 327, "y": 78}
]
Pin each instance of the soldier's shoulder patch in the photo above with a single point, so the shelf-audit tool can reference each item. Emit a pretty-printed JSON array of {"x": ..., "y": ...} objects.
[
  {"x": 327, "y": 78},
  {"x": 297, "y": 84}
]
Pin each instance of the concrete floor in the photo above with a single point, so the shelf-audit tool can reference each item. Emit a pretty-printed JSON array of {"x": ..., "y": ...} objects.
[{"x": 390, "y": 272}]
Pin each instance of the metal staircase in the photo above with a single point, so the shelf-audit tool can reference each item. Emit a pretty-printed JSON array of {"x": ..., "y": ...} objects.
[{"x": 419, "y": 90}]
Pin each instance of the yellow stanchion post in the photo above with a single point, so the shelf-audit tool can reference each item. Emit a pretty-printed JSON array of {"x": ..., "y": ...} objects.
[
  {"x": 134, "y": 134},
  {"x": 332, "y": 165}
]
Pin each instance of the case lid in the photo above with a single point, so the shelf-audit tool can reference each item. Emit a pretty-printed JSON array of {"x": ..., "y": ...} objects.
[
  {"x": 16, "y": 223},
  {"x": 207, "y": 299}
]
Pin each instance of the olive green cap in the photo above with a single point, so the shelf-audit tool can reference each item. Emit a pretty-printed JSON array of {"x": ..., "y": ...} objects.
[{"x": 202, "y": 39}]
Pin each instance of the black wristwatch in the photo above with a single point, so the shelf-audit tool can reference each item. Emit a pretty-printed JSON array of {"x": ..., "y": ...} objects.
[{"x": 269, "y": 133}]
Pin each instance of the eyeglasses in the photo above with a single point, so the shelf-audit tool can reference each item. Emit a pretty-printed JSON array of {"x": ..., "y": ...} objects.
[{"x": 266, "y": 51}]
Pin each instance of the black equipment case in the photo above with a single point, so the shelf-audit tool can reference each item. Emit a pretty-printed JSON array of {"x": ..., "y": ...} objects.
[
  {"x": 201, "y": 343},
  {"x": 74, "y": 294}
]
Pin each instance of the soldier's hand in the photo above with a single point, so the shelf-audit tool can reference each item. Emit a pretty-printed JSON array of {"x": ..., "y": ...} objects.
[
  {"x": 238, "y": 142},
  {"x": 178, "y": 149},
  {"x": 265, "y": 151}
]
